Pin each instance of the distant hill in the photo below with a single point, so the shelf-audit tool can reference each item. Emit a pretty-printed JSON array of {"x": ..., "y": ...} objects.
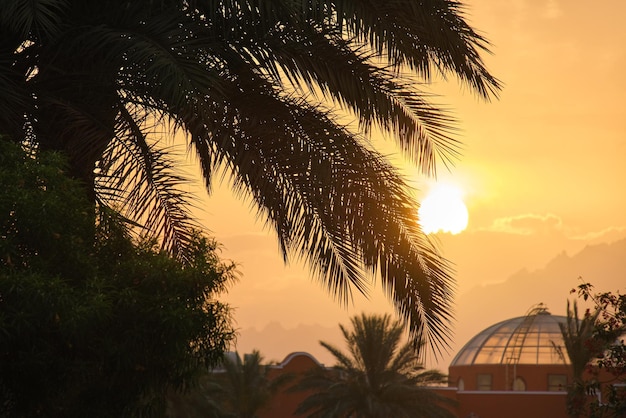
[
  {"x": 276, "y": 342},
  {"x": 604, "y": 265}
]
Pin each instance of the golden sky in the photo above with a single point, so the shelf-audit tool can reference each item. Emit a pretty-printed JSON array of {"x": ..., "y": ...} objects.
[{"x": 543, "y": 171}]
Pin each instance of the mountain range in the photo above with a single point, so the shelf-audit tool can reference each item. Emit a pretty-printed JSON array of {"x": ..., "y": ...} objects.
[{"x": 603, "y": 265}]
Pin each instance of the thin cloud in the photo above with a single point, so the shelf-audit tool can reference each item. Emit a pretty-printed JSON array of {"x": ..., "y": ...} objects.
[
  {"x": 611, "y": 231},
  {"x": 537, "y": 224},
  {"x": 527, "y": 224}
]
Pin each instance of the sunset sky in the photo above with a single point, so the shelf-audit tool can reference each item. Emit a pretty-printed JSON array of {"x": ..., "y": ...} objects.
[{"x": 543, "y": 170}]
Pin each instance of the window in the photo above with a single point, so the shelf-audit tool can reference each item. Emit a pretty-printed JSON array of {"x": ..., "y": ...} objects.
[
  {"x": 557, "y": 382},
  {"x": 461, "y": 384},
  {"x": 483, "y": 382},
  {"x": 519, "y": 384}
]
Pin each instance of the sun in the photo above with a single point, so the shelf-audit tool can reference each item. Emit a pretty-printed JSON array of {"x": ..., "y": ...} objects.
[{"x": 443, "y": 210}]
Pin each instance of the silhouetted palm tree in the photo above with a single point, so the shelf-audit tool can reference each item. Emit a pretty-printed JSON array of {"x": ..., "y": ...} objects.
[
  {"x": 258, "y": 89},
  {"x": 578, "y": 340},
  {"x": 376, "y": 378},
  {"x": 203, "y": 400},
  {"x": 246, "y": 387},
  {"x": 237, "y": 389}
]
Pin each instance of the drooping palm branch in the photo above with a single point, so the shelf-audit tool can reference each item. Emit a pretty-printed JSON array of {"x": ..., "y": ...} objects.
[{"x": 259, "y": 89}]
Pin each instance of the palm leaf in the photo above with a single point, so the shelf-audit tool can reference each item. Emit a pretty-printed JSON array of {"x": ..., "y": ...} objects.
[
  {"x": 377, "y": 378},
  {"x": 140, "y": 181},
  {"x": 237, "y": 81}
]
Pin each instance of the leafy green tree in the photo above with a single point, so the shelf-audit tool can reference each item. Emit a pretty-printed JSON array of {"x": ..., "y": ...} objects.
[
  {"x": 378, "y": 377},
  {"x": 94, "y": 324},
  {"x": 260, "y": 90}
]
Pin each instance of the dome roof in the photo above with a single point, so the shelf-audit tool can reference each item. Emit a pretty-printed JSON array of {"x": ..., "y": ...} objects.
[{"x": 531, "y": 339}]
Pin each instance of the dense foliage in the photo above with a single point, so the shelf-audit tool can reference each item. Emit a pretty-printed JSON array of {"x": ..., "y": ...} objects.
[
  {"x": 259, "y": 89},
  {"x": 91, "y": 323},
  {"x": 595, "y": 346},
  {"x": 378, "y": 377}
]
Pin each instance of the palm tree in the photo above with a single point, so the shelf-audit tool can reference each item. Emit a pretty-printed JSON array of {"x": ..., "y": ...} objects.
[
  {"x": 237, "y": 389},
  {"x": 246, "y": 387},
  {"x": 591, "y": 341},
  {"x": 257, "y": 89},
  {"x": 200, "y": 401},
  {"x": 580, "y": 348},
  {"x": 245, "y": 384},
  {"x": 377, "y": 378}
]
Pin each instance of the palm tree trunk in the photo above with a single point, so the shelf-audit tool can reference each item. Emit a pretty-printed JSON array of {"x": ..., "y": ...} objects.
[
  {"x": 76, "y": 115},
  {"x": 576, "y": 399}
]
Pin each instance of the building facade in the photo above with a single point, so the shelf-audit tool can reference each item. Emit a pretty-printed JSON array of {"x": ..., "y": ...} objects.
[{"x": 517, "y": 368}]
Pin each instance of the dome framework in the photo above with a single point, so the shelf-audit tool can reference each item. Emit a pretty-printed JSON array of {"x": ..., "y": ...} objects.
[{"x": 533, "y": 339}]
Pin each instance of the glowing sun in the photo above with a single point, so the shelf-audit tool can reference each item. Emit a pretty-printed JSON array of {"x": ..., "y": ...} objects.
[{"x": 443, "y": 210}]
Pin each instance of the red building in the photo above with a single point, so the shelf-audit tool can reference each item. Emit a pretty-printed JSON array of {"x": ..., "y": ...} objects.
[
  {"x": 517, "y": 368},
  {"x": 284, "y": 404}
]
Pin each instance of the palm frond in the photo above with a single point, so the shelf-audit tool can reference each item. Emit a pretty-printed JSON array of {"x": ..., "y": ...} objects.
[
  {"x": 374, "y": 386},
  {"x": 41, "y": 18},
  {"x": 139, "y": 179},
  {"x": 318, "y": 185},
  {"x": 373, "y": 92},
  {"x": 237, "y": 80},
  {"x": 421, "y": 35},
  {"x": 577, "y": 334}
]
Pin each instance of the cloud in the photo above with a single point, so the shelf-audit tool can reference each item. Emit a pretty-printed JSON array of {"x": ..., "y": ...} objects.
[
  {"x": 527, "y": 224},
  {"x": 533, "y": 224},
  {"x": 609, "y": 233}
]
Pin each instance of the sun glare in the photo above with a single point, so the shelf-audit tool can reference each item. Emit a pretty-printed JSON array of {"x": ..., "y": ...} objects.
[{"x": 443, "y": 210}]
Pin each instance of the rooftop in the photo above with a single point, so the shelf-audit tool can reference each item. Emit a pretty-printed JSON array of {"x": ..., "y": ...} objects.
[{"x": 531, "y": 339}]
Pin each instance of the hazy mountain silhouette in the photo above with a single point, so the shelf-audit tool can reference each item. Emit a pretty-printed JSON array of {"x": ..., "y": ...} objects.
[
  {"x": 275, "y": 342},
  {"x": 604, "y": 265}
]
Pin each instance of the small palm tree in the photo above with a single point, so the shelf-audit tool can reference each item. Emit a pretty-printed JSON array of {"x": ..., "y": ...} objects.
[
  {"x": 378, "y": 378},
  {"x": 202, "y": 401},
  {"x": 577, "y": 338},
  {"x": 246, "y": 387},
  {"x": 238, "y": 390}
]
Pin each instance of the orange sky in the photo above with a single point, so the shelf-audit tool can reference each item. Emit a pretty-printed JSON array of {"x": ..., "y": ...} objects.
[{"x": 543, "y": 171}]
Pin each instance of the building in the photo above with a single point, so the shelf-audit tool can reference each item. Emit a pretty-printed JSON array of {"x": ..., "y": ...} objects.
[
  {"x": 515, "y": 368},
  {"x": 285, "y": 402}
]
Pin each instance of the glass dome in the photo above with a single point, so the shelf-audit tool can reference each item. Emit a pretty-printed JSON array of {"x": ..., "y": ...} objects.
[{"x": 531, "y": 339}]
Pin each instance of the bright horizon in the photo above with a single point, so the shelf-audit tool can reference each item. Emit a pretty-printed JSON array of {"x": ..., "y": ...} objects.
[{"x": 541, "y": 171}]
